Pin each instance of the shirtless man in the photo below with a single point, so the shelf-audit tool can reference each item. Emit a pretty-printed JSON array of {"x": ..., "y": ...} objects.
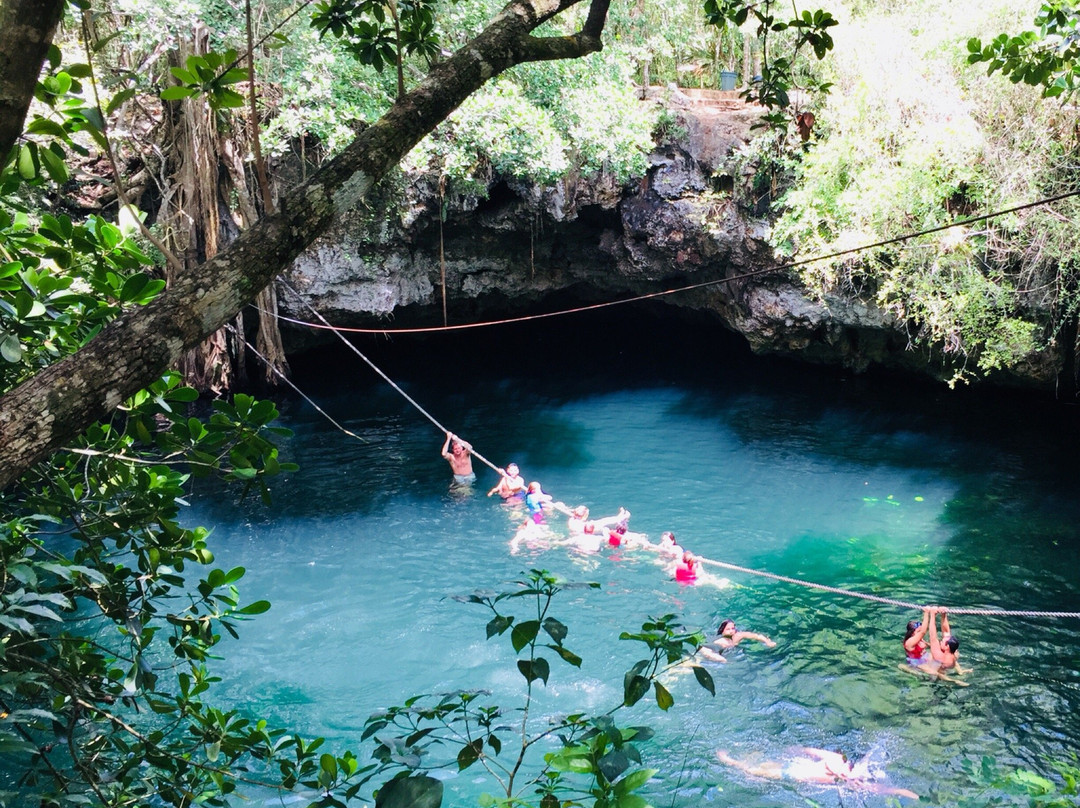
[
  {"x": 944, "y": 652},
  {"x": 511, "y": 483},
  {"x": 458, "y": 455},
  {"x": 728, "y": 637}
]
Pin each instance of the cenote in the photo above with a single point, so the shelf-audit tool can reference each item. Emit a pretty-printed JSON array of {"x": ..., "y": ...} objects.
[{"x": 881, "y": 486}]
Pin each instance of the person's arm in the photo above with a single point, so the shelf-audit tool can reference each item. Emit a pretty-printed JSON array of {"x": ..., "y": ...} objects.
[
  {"x": 751, "y": 635},
  {"x": 446, "y": 446},
  {"x": 945, "y": 624},
  {"x": 708, "y": 653},
  {"x": 935, "y": 646},
  {"x": 500, "y": 483},
  {"x": 913, "y": 641}
]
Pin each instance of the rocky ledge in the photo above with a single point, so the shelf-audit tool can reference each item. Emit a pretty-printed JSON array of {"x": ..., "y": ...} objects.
[{"x": 692, "y": 221}]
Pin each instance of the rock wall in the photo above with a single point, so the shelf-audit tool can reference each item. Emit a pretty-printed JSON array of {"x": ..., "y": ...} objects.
[{"x": 691, "y": 222}]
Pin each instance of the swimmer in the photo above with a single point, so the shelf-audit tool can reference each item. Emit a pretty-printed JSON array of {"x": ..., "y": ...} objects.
[
  {"x": 511, "y": 483},
  {"x": 687, "y": 568},
  {"x": 458, "y": 455},
  {"x": 579, "y": 521},
  {"x": 668, "y": 546},
  {"x": 915, "y": 647},
  {"x": 727, "y": 637},
  {"x": 536, "y": 501},
  {"x": 943, "y": 652},
  {"x": 810, "y": 765}
]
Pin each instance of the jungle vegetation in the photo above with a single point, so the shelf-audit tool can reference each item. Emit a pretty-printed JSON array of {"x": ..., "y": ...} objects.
[{"x": 150, "y": 192}]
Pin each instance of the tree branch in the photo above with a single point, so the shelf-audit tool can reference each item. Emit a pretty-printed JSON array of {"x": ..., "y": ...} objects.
[
  {"x": 46, "y": 411},
  {"x": 26, "y": 32}
]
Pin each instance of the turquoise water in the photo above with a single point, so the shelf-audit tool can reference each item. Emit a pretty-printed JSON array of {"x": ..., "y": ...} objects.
[{"x": 912, "y": 494}]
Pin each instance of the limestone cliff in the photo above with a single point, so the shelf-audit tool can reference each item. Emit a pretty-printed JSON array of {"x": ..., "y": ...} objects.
[{"x": 692, "y": 220}]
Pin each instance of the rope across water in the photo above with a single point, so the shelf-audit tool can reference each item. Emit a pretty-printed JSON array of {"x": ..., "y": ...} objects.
[
  {"x": 711, "y": 562},
  {"x": 383, "y": 376},
  {"x": 879, "y": 599}
]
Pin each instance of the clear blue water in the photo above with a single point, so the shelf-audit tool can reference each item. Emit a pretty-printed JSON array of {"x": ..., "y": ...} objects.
[{"x": 910, "y": 493}]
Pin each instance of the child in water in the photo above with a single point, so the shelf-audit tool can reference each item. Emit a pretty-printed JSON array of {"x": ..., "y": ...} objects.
[{"x": 536, "y": 501}]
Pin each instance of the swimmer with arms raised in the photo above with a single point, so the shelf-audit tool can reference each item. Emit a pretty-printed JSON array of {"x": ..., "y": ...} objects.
[
  {"x": 458, "y": 455},
  {"x": 728, "y": 636}
]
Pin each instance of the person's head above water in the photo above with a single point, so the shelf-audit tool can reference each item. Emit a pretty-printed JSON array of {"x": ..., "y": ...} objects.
[
  {"x": 667, "y": 537},
  {"x": 726, "y": 627},
  {"x": 912, "y": 627},
  {"x": 950, "y": 642},
  {"x": 534, "y": 488},
  {"x": 581, "y": 512},
  {"x": 512, "y": 469},
  {"x": 457, "y": 447}
]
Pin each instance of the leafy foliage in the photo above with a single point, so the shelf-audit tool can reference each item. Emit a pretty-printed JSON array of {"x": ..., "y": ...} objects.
[
  {"x": 920, "y": 143},
  {"x": 1046, "y": 57},
  {"x": 596, "y": 757}
]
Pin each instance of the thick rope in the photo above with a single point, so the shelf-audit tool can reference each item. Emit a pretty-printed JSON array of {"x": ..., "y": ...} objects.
[
  {"x": 301, "y": 393},
  {"x": 878, "y": 599},
  {"x": 386, "y": 378}
]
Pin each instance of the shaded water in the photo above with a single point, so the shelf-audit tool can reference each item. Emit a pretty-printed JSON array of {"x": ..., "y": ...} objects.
[{"x": 918, "y": 495}]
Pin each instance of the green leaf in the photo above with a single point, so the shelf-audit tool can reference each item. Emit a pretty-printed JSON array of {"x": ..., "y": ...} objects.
[
  {"x": 534, "y": 669},
  {"x": 469, "y": 754},
  {"x": 613, "y": 764},
  {"x": 54, "y": 165},
  {"x": 663, "y": 698},
  {"x": 556, "y": 630},
  {"x": 634, "y": 781},
  {"x": 27, "y": 161},
  {"x": 634, "y": 688},
  {"x": 258, "y": 607},
  {"x": 524, "y": 633},
  {"x": 420, "y": 791},
  {"x": 119, "y": 99},
  {"x": 498, "y": 624},
  {"x": 704, "y": 678},
  {"x": 10, "y": 348},
  {"x": 176, "y": 93}
]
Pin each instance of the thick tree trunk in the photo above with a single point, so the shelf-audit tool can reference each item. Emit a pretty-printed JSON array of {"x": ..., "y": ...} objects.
[
  {"x": 42, "y": 414},
  {"x": 26, "y": 32}
]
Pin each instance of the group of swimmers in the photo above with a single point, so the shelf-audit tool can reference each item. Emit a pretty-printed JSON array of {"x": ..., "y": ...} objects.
[{"x": 923, "y": 648}]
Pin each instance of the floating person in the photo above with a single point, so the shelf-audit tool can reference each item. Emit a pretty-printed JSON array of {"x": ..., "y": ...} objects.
[
  {"x": 915, "y": 648},
  {"x": 588, "y": 534},
  {"x": 810, "y": 765},
  {"x": 668, "y": 546},
  {"x": 727, "y": 637},
  {"x": 937, "y": 658},
  {"x": 943, "y": 652},
  {"x": 687, "y": 568},
  {"x": 458, "y": 454},
  {"x": 511, "y": 484},
  {"x": 536, "y": 501}
]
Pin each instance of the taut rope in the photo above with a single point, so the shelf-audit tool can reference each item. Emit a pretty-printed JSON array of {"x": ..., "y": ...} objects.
[
  {"x": 877, "y": 598},
  {"x": 384, "y": 377}
]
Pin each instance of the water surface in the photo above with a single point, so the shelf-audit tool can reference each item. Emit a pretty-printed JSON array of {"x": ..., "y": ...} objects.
[{"x": 912, "y": 493}]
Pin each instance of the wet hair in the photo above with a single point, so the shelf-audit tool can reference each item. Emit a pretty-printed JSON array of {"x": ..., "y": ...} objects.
[
  {"x": 912, "y": 627},
  {"x": 667, "y": 534},
  {"x": 724, "y": 624},
  {"x": 534, "y": 487},
  {"x": 951, "y": 643}
]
